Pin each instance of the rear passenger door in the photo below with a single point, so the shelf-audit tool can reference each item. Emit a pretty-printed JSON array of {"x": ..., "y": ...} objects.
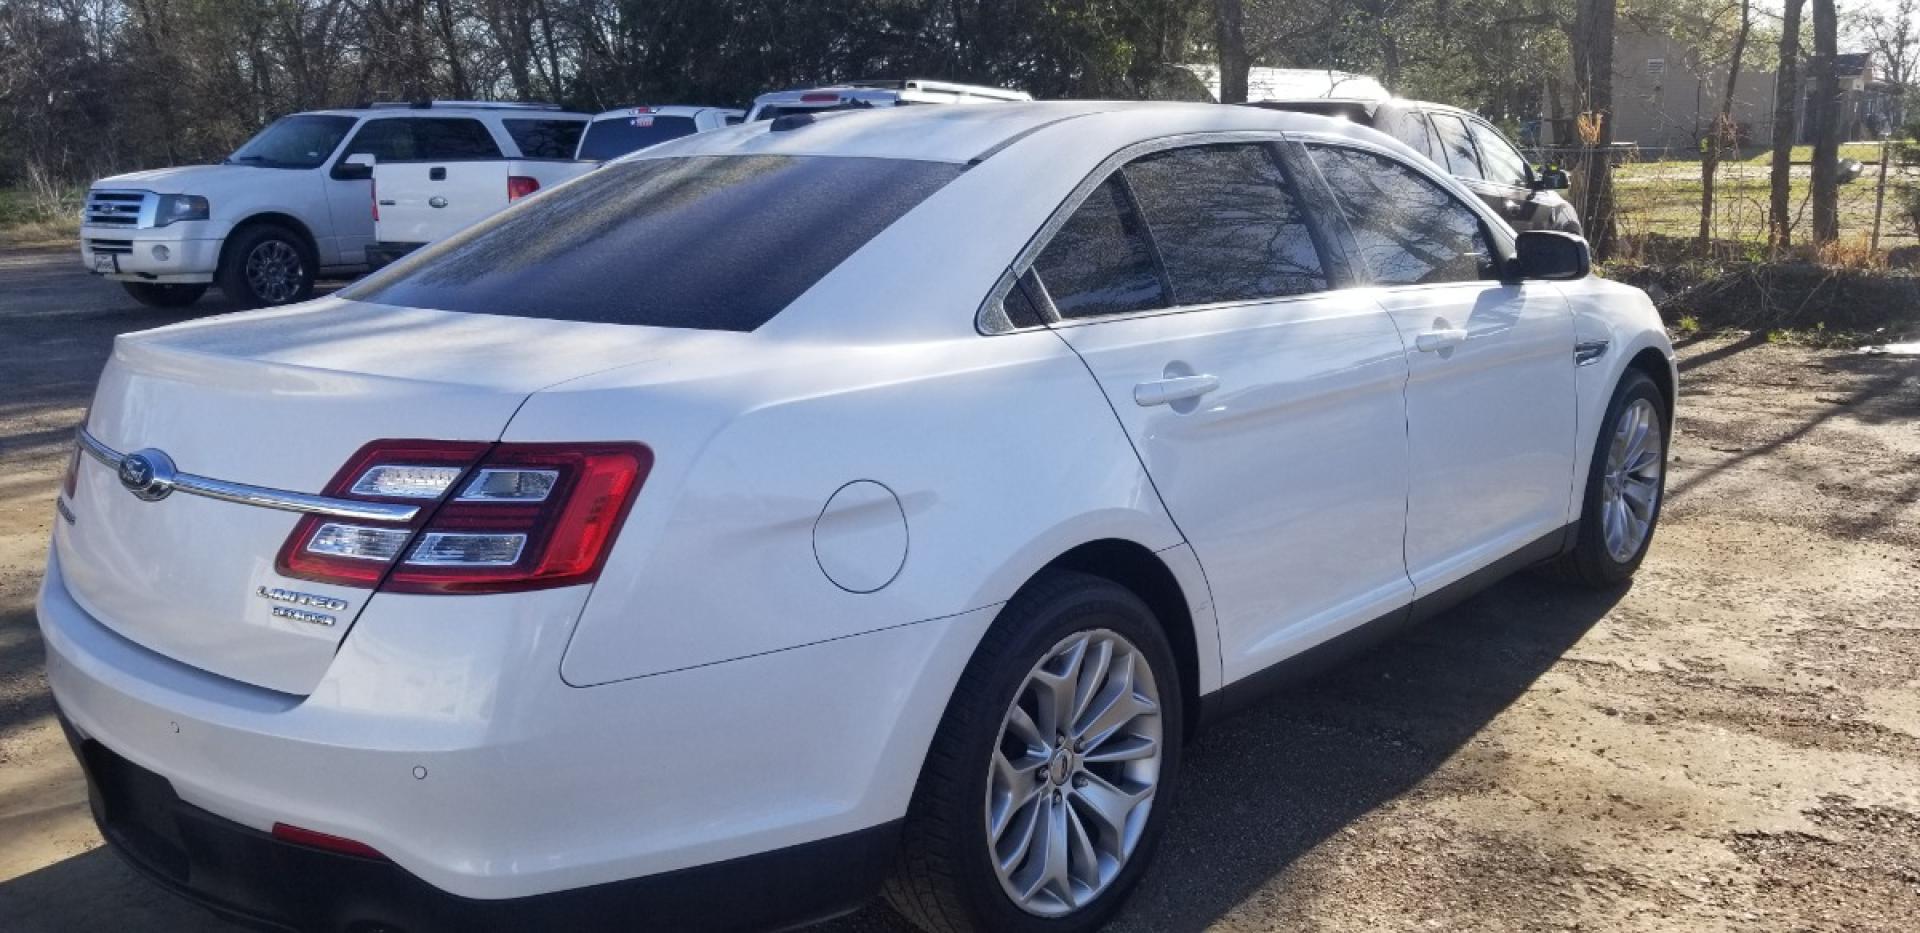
[
  {"x": 1265, "y": 404},
  {"x": 1490, "y": 392}
]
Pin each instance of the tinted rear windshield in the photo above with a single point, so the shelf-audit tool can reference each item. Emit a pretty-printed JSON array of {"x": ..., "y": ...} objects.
[
  {"x": 612, "y": 138},
  {"x": 708, "y": 242}
]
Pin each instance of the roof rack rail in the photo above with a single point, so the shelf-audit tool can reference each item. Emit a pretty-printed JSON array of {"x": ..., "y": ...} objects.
[{"x": 458, "y": 104}]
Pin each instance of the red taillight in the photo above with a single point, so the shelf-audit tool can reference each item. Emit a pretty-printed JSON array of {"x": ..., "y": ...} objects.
[
  {"x": 320, "y": 840},
  {"x": 519, "y": 186},
  {"x": 820, "y": 98},
  {"x": 497, "y": 518},
  {"x": 71, "y": 481}
]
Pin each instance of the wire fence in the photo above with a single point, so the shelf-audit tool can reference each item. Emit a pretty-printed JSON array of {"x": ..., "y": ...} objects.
[{"x": 1657, "y": 197}]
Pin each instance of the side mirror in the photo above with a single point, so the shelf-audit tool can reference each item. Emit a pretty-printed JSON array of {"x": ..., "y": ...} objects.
[
  {"x": 356, "y": 167},
  {"x": 1552, "y": 178},
  {"x": 1551, "y": 256}
]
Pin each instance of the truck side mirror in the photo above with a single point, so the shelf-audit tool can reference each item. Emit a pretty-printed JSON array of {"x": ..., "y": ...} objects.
[{"x": 355, "y": 167}]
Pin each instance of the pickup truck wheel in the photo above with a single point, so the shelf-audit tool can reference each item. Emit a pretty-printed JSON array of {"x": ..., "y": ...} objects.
[
  {"x": 1048, "y": 781},
  {"x": 266, "y": 265},
  {"x": 156, "y": 295}
]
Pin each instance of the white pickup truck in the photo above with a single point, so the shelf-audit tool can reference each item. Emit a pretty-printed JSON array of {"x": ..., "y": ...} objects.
[
  {"x": 862, "y": 95},
  {"x": 419, "y": 202},
  {"x": 294, "y": 201}
]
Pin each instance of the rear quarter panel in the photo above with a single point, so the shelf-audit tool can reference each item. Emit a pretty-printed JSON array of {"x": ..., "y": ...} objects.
[{"x": 1001, "y": 453}]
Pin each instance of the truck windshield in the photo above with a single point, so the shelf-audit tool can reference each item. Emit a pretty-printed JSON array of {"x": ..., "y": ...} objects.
[
  {"x": 617, "y": 136},
  {"x": 298, "y": 141},
  {"x": 662, "y": 242}
]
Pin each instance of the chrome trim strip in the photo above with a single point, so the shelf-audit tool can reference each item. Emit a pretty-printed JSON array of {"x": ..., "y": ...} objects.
[{"x": 262, "y": 496}]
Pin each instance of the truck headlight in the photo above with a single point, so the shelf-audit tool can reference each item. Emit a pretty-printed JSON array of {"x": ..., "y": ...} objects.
[{"x": 176, "y": 207}]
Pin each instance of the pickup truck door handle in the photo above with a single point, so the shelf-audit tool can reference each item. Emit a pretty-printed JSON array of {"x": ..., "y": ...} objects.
[
  {"x": 437, "y": 173},
  {"x": 1434, "y": 341},
  {"x": 1173, "y": 389}
]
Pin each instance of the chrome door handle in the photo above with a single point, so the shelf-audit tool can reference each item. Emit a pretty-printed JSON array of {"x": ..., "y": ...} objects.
[
  {"x": 1173, "y": 389},
  {"x": 1434, "y": 341}
]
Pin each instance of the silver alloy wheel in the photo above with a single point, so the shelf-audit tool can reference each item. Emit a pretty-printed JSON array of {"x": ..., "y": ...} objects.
[
  {"x": 274, "y": 271},
  {"x": 1073, "y": 773},
  {"x": 1630, "y": 491}
]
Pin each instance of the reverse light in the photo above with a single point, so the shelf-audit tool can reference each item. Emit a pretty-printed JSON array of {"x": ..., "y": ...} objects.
[
  {"x": 526, "y": 516},
  {"x": 519, "y": 186}
]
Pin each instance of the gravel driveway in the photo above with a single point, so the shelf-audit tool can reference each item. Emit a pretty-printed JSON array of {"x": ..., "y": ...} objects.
[{"x": 1731, "y": 744}]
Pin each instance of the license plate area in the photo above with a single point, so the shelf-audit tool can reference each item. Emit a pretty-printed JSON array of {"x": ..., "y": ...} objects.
[{"x": 106, "y": 263}]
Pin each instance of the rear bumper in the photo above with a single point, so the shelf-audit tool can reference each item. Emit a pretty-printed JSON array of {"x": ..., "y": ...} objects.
[
  {"x": 250, "y": 876},
  {"x": 128, "y": 255},
  {"x": 382, "y": 254},
  {"x": 445, "y": 739}
]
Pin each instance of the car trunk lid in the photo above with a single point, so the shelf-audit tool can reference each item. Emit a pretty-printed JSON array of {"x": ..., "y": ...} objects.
[{"x": 282, "y": 400}]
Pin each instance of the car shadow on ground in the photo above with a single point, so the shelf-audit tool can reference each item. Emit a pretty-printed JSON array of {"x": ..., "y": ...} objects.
[{"x": 1263, "y": 788}]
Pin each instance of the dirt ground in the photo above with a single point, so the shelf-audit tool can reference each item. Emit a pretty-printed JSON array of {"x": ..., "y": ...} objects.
[{"x": 1733, "y": 743}]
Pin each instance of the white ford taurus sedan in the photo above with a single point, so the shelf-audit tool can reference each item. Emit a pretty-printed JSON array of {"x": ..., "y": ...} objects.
[{"x": 814, "y": 507}]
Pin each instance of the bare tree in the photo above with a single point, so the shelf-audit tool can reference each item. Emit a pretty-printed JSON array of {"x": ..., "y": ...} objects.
[
  {"x": 1827, "y": 106},
  {"x": 1229, "y": 24},
  {"x": 1723, "y": 135},
  {"x": 1786, "y": 107},
  {"x": 1592, "y": 42},
  {"x": 1894, "y": 39}
]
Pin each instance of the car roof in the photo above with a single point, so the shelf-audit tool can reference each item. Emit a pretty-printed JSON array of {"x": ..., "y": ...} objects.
[
  {"x": 966, "y": 134},
  {"x": 664, "y": 110},
  {"x": 448, "y": 110}
]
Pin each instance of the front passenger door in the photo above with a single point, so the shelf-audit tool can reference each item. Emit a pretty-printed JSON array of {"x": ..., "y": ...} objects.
[{"x": 1490, "y": 387}]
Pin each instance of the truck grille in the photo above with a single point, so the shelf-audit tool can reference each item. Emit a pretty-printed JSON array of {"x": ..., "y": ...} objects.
[
  {"x": 119, "y": 208},
  {"x": 110, "y": 246}
]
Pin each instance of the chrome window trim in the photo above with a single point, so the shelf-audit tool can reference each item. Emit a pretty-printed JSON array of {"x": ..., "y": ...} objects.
[
  {"x": 991, "y": 319},
  {"x": 260, "y": 496}
]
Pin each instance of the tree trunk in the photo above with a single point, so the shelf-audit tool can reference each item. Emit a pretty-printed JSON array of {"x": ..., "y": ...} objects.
[
  {"x": 1229, "y": 17},
  {"x": 1723, "y": 135},
  {"x": 1593, "y": 91},
  {"x": 1786, "y": 107},
  {"x": 1826, "y": 125}
]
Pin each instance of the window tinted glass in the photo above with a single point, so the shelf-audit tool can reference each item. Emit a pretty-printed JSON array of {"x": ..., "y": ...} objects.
[
  {"x": 1409, "y": 230},
  {"x": 545, "y": 139},
  {"x": 1458, "y": 145},
  {"x": 302, "y": 141},
  {"x": 1227, "y": 224},
  {"x": 1020, "y": 309},
  {"x": 617, "y": 136},
  {"x": 1411, "y": 128},
  {"x": 401, "y": 139},
  {"x": 664, "y": 242},
  {"x": 1500, "y": 162},
  {"x": 1099, "y": 262},
  {"x": 453, "y": 139}
]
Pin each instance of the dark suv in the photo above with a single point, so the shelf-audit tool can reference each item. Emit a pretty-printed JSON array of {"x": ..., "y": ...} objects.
[{"x": 1466, "y": 146}]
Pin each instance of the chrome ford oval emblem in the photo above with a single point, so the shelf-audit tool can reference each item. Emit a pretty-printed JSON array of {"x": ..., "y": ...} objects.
[
  {"x": 437, "y": 201},
  {"x": 148, "y": 474}
]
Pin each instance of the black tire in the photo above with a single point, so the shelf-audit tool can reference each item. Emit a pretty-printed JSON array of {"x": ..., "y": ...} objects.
[
  {"x": 157, "y": 295},
  {"x": 1590, "y": 562},
  {"x": 945, "y": 881},
  {"x": 272, "y": 245}
]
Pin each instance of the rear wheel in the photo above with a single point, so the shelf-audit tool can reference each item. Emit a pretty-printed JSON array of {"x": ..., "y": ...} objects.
[
  {"x": 1047, "y": 785},
  {"x": 266, "y": 265},
  {"x": 156, "y": 295},
  {"x": 1626, "y": 484}
]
